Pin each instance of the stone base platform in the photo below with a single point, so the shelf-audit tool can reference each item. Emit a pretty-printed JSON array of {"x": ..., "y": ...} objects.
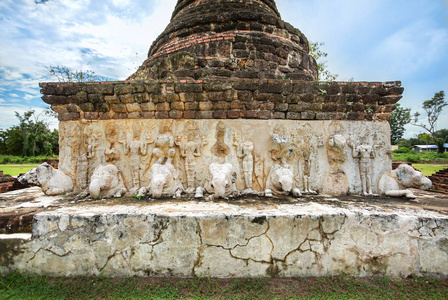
[{"x": 313, "y": 236}]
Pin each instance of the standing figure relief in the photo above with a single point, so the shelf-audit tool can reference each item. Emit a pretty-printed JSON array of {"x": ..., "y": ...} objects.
[
  {"x": 134, "y": 149},
  {"x": 244, "y": 151},
  {"x": 191, "y": 147},
  {"x": 365, "y": 153}
]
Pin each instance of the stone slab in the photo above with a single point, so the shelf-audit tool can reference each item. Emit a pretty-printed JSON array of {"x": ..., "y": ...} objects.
[{"x": 223, "y": 239}]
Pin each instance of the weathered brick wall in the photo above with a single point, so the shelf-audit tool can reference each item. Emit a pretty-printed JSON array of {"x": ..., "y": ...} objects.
[
  {"x": 223, "y": 99},
  {"x": 211, "y": 38}
]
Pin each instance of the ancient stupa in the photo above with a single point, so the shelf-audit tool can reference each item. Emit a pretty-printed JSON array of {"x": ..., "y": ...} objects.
[
  {"x": 243, "y": 39},
  {"x": 228, "y": 103},
  {"x": 230, "y": 90}
]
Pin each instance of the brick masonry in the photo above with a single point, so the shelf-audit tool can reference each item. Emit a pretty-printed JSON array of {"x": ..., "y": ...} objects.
[
  {"x": 235, "y": 98},
  {"x": 227, "y": 38}
]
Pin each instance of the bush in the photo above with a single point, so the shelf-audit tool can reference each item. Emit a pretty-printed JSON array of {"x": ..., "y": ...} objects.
[
  {"x": 412, "y": 158},
  {"x": 18, "y": 160},
  {"x": 403, "y": 150}
]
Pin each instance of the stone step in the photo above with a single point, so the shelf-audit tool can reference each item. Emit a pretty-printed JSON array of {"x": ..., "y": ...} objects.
[{"x": 187, "y": 239}]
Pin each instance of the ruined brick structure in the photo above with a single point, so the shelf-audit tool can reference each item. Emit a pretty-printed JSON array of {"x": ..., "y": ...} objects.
[
  {"x": 223, "y": 74},
  {"x": 228, "y": 38},
  {"x": 231, "y": 59},
  {"x": 234, "y": 98}
]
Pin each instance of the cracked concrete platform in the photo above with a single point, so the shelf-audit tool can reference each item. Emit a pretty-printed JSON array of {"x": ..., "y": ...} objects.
[{"x": 311, "y": 236}]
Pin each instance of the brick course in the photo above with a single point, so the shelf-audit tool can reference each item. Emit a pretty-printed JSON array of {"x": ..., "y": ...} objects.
[{"x": 277, "y": 99}]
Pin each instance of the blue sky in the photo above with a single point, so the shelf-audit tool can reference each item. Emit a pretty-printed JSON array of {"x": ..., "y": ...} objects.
[{"x": 367, "y": 40}]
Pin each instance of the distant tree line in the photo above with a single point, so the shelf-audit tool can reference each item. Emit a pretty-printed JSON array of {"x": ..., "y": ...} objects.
[
  {"x": 433, "y": 109},
  {"x": 32, "y": 137}
]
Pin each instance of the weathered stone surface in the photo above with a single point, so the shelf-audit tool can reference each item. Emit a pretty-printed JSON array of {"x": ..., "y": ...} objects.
[
  {"x": 225, "y": 240},
  {"x": 311, "y": 137}
]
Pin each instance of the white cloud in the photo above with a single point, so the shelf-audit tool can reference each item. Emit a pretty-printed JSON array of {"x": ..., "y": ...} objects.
[
  {"x": 8, "y": 117},
  {"x": 28, "y": 97}
]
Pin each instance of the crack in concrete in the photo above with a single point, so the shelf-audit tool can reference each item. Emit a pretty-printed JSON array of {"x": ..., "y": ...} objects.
[{"x": 198, "y": 261}]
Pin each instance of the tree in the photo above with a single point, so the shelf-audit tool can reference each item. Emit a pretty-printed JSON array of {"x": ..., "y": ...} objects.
[
  {"x": 433, "y": 109},
  {"x": 31, "y": 137},
  {"x": 442, "y": 134},
  {"x": 400, "y": 118},
  {"x": 319, "y": 55},
  {"x": 64, "y": 74}
]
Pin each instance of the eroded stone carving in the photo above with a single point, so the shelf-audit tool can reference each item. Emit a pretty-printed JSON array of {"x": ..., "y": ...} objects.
[
  {"x": 220, "y": 149},
  {"x": 88, "y": 153},
  {"x": 106, "y": 182},
  {"x": 365, "y": 153},
  {"x": 395, "y": 183},
  {"x": 280, "y": 144},
  {"x": 252, "y": 154},
  {"x": 281, "y": 181},
  {"x": 111, "y": 154},
  {"x": 164, "y": 181},
  {"x": 134, "y": 149},
  {"x": 305, "y": 148},
  {"x": 244, "y": 151},
  {"x": 221, "y": 180},
  {"x": 52, "y": 181},
  {"x": 191, "y": 146},
  {"x": 164, "y": 149},
  {"x": 336, "y": 180}
]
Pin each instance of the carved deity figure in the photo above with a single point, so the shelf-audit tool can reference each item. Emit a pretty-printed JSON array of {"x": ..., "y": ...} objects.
[
  {"x": 190, "y": 150},
  {"x": 280, "y": 148},
  {"x": 164, "y": 146},
  {"x": 134, "y": 149},
  {"x": 244, "y": 151},
  {"x": 220, "y": 149},
  {"x": 305, "y": 148},
  {"x": 111, "y": 154},
  {"x": 83, "y": 167},
  {"x": 365, "y": 153}
]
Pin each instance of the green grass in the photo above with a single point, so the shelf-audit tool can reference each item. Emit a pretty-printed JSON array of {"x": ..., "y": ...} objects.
[
  {"x": 15, "y": 170},
  {"x": 19, "y": 160},
  {"x": 421, "y": 157},
  {"x": 428, "y": 170},
  {"x": 17, "y": 286}
]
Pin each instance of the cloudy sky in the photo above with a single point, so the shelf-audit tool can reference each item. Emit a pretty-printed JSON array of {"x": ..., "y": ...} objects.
[{"x": 367, "y": 40}]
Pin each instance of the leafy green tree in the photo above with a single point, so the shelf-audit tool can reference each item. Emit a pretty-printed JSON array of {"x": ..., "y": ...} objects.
[
  {"x": 65, "y": 74},
  {"x": 403, "y": 143},
  {"x": 442, "y": 134},
  {"x": 433, "y": 109},
  {"x": 400, "y": 118},
  {"x": 32, "y": 137},
  {"x": 319, "y": 55}
]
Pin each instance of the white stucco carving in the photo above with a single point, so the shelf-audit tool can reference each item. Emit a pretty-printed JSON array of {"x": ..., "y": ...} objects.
[
  {"x": 221, "y": 180},
  {"x": 135, "y": 149},
  {"x": 365, "y": 154},
  {"x": 395, "y": 183},
  {"x": 244, "y": 151},
  {"x": 317, "y": 151},
  {"x": 281, "y": 181},
  {"x": 164, "y": 182},
  {"x": 191, "y": 146},
  {"x": 52, "y": 181},
  {"x": 106, "y": 182}
]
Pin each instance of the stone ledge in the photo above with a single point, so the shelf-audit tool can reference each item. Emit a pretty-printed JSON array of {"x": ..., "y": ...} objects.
[
  {"x": 16, "y": 236},
  {"x": 295, "y": 100},
  {"x": 193, "y": 239}
]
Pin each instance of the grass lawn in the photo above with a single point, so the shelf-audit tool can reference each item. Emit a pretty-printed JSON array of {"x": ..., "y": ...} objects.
[
  {"x": 15, "y": 170},
  {"x": 428, "y": 170},
  {"x": 16, "y": 286}
]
